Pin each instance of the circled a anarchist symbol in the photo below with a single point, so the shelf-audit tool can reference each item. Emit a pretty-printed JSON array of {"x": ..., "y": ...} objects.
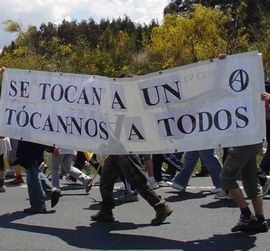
[{"x": 239, "y": 80}]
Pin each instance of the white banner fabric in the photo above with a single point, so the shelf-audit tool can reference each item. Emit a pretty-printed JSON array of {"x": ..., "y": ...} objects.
[{"x": 210, "y": 104}]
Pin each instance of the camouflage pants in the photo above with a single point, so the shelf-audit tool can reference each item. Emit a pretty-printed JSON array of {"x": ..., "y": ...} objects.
[{"x": 130, "y": 167}]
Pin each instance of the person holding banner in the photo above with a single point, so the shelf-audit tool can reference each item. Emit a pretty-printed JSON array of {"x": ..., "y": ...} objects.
[
  {"x": 30, "y": 156},
  {"x": 131, "y": 168},
  {"x": 243, "y": 160}
]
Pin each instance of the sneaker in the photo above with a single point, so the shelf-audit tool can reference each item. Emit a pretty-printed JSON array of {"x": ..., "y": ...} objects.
[
  {"x": 176, "y": 186},
  {"x": 250, "y": 224},
  {"x": 102, "y": 216},
  {"x": 152, "y": 183},
  {"x": 222, "y": 195},
  {"x": 122, "y": 187},
  {"x": 128, "y": 197},
  {"x": 162, "y": 184},
  {"x": 17, "y": 181},
  {"x": 3, "y": 189},
  {"x": 88, "y": 184},
  {"x": 216, "y": 190},
  {"x": 10, "y": 174},
  {"x": 55, "y": 195},
  {"x": 262, "y": 227},
  {"x": 266, "y": 186},
  {"x": 161, "y": 214}
]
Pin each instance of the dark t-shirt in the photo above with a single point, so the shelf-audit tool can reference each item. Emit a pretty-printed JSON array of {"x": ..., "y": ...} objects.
[{"x": 29, "y": 153}]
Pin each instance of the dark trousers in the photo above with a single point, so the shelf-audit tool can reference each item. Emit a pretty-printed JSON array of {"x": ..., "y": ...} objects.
[
  {"x": 130, "y": 167},
  {"x": 2, "y": 164}
]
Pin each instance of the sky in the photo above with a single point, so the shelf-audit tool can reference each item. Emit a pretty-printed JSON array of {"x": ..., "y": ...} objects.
[{"x": 36, "y": 12}]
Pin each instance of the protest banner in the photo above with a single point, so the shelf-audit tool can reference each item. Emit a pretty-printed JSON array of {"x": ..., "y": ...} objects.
[{"x": 210, "y": 104}]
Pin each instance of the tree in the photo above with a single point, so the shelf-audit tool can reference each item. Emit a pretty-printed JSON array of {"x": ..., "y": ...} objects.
[
  {"x": 245, "y": 13},
  {"x": 182, "y": 40}
]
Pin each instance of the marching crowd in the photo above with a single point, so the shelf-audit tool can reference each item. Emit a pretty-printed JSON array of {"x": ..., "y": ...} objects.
[{"x": 142, "y": 174}]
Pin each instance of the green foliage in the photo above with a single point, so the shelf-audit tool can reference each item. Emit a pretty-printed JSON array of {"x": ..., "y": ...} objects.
[
  {"x": 105, "y": 49},
  {"x": 187, "y": 39},
  {"x": 192, "y": 31}
]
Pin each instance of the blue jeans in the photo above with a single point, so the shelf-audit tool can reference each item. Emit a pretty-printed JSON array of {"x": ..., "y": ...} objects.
[
  {"x": 211, "y": 162},
  {"x": 36, "y": 182}
]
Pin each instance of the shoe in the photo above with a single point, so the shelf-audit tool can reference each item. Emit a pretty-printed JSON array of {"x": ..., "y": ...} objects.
[
  {"x": 31, "y": 210},
  {"x": 102, "y": 216},
  {"x": 152, "y": 183},
  {"x": 126, "y": 197},
  {"x": 161, "y": 214},
  {"x": 10, "y": 174},
  {"x": 222, "y": 195},
  {"x": 250, "y": 224},
  {"x": 122, "y": 187},
  {"x": 262, "y": 227},
  {"x": 162, "y": 184},
  {"x": 3, "y": 189},
  {"x": 176, "y": 186},
  {"x": 88, "y": 184},
  {"x": 266, "y": 186},
  {"x": 17, "y": 181},
  {"x": 216, "y": 190},
  {"x": 55, "y": 195}
]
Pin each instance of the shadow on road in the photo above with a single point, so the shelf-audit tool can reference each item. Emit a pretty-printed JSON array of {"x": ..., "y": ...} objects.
[
  {"x": 104, "y": 236},
  {"x": 181, "y": 196},
  {"x": 219, "y": 204}
]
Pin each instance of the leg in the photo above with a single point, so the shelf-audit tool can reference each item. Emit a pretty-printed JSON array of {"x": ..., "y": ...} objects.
[
  {"x": 211, "y": 161},
  {"x": 157, "y": 164},
  {"x": 243, "y": 160},
  {"x": 55, "y": 163},
  {"x": 108, "y": 176},
  {"x": 2, "y": 174},
  {"x": 107, "y": 180},
  {"x": 225, "y": 154},
  {"x": 149, "y": 167},
  {"x": 66, "y": 161},
  {"x": 35, "y": 191},
  {"x": 182, "y": 178},
  {"x": 11, "y": 159},
  {"x": 80, "y": 160},
  {"x": 131, "y": 168},
  {"x": 18, "y": 175}
]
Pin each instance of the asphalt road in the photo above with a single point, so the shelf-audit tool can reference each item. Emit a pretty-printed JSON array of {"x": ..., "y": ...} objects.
[{"x": 199, "y": 222}]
